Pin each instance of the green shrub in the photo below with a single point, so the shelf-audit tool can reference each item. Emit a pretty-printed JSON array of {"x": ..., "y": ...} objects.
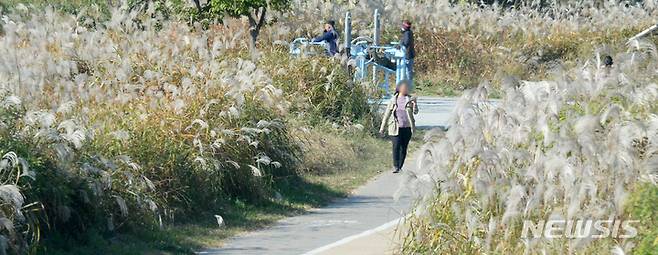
[{"x": 321, "y": 88}]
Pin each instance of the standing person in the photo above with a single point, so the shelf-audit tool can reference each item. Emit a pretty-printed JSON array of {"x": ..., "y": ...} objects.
[
  {"x": 399, "y": 118},
  {"x": 330, "y": 36},
  {"x": 408, "y": 42}
]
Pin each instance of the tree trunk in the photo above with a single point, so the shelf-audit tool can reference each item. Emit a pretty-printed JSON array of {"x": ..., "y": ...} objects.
[
  {"x": 197, "y": 4},
  {"x": 254, "y": 37},
  {"x": 255, "y": 26}
]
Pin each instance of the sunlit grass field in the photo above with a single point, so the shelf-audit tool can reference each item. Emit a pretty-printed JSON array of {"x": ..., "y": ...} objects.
[{"x": 131, "y": 128}]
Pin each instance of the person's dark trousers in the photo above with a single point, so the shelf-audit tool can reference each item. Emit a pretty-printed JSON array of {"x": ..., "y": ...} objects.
[{"x": 400, "y": 144}]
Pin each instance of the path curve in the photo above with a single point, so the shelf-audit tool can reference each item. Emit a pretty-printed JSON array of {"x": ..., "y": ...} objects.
[{"x": 364, "y": 223}]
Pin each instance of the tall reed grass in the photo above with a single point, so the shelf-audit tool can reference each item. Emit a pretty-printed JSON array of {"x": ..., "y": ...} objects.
[
  {"x": 137, "y": 121},
  {"x": 130, "y": 118},
  {"x": 461, "y": 44},
  {"x": 577, "y": 146}
]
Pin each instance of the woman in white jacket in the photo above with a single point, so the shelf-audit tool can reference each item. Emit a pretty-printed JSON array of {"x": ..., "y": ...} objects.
[{"x": 399, "y": 118}]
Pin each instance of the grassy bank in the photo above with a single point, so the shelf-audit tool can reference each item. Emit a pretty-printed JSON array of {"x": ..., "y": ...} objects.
[
  {"x": 451, "y": 61},
  {"x": 132, "y": 131},
  {"x": 337, "y": 161},
  {"x": 139, "y": 125}
]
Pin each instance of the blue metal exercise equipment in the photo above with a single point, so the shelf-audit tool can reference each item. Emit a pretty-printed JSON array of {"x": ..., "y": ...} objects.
[{"x": 366, "y": 53}]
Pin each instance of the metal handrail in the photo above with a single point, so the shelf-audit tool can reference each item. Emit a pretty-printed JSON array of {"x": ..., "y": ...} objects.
[{"x": 295, "y": 45}]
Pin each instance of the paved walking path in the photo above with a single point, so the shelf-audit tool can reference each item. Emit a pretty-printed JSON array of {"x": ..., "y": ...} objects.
[
  {"x": 366, "y": 222},
  {"x": 369, "y": 207},
  {"x": 434, "y": 111},
  {"x": 382, "y": 241}
]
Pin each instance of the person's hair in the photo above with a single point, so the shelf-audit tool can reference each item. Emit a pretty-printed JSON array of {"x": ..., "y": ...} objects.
[
  {"x": 607, "y": 61},
  {"x": 406, "y": 22},
  {"x": 332, "y": 23},
  {"x": 400, "y": 84}
]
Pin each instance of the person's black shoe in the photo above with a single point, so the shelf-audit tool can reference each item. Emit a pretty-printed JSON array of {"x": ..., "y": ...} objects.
[{"x": 396, "y": 171}]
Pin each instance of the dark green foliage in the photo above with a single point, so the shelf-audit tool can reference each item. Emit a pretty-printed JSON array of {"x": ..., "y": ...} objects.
[
  {"x": 237, "y": 8},
  {"x": 254, "y": 10}
]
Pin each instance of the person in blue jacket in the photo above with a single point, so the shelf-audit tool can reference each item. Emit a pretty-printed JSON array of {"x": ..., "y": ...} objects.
[{"x": 330, "y": 36}]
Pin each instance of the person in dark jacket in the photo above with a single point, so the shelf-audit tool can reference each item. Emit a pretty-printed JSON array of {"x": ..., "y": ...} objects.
[
  {"x": 408, "y": 42},
  {"x": 330, "y": 36},
  {"x": 607, "y": 66},
  {"x": 607, "y": 61}
]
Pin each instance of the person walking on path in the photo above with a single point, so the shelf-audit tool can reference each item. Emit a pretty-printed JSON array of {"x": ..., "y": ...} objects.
[
  {"x": 329, "y": 36},
  {"x": 408, "y": 42},
  {"x": 399, "y": 118}
]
